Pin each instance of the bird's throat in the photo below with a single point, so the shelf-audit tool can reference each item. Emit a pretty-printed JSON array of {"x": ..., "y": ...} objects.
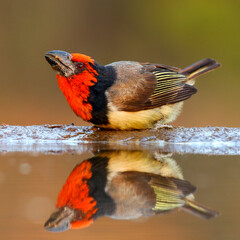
[{"x": 76, "y": 90}]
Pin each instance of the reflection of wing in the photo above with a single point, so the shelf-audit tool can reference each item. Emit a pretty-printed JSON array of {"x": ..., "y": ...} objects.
[
  {"x": 146, "y": 86},
  {"x": 141, "y": 194},
  {"x": 132, "y": 195},
  {"x": 170, "y": 192}
]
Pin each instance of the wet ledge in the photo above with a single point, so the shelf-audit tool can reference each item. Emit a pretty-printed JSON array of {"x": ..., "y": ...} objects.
[{"x": 65, "y": 138}]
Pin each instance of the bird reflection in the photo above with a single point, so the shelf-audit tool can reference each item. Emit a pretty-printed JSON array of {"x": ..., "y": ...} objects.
[{"x": 123, "y": 185}]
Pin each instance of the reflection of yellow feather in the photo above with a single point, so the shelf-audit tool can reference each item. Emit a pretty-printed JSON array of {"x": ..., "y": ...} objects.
[
  {"x": 141, "y": 119},
  {"x": 140, "y": 161}
]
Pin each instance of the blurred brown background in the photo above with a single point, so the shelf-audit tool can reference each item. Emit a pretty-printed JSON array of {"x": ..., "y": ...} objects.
[{"x": 174, "y": 32}]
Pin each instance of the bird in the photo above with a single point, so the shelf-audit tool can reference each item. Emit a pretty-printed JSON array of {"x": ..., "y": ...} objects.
[
  {"x": 125, "y": 95},
  {"x": 124, "y": 185}
]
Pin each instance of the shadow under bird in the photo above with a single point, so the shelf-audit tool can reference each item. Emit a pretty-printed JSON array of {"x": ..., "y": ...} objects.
[
  {"x": 123, "y": 185},
  {"x": 125, "y": 95}
]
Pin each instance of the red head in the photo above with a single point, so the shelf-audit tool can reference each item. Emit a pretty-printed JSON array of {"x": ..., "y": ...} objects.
[
  {"x": 75, "y": 207},
  {"x": 75, "y": 74}
]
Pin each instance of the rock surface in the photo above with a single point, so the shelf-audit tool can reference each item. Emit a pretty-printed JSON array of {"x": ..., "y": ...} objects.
[{"x": 62, "y": 138}]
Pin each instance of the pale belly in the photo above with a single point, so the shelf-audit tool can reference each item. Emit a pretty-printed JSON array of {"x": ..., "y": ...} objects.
[{"x": 144, "y": 119}]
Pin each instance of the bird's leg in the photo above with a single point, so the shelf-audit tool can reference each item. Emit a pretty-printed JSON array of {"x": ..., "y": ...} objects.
[
  {"x": 159, "y": 125},
  {"x": 161, "y": 155},
  {"x": 54, "y": 125}
]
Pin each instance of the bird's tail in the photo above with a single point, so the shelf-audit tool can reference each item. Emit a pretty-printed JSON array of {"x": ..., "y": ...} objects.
[
  {"x": 199, "y": 68},
  {"x": 199, "y": 210}
]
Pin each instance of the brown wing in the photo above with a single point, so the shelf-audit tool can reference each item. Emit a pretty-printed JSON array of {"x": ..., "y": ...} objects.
[
  {"x": 146, "y": 86},
  {"x": 170, "y": 88},
  {"x": 133, "y": 87}
]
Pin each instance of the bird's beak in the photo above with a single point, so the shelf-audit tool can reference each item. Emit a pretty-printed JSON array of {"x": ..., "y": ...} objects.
[
  {"x": 61, "y": 62},
  {"x": 60, "y": 220}
]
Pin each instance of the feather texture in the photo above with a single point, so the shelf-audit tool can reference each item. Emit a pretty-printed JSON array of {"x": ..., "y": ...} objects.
[{"x": 170, "y": 89}]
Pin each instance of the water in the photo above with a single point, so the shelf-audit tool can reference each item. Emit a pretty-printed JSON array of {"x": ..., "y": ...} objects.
[{"x": 31, "y": 181}]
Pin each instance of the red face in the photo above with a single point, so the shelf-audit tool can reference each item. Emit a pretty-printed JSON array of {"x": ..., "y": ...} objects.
[{"x": 75, "y": 74}]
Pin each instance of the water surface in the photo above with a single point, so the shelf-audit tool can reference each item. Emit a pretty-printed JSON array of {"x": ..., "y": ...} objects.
[{"x": 30, "y": 183}]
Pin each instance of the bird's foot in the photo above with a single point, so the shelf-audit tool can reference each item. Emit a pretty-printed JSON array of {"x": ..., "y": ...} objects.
[
  {"x": 159, "y": 125},
  {"x": 54, "y": 125}
]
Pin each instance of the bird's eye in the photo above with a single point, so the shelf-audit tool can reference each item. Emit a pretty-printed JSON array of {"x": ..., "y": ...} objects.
[{"x": 80, "y": 65}]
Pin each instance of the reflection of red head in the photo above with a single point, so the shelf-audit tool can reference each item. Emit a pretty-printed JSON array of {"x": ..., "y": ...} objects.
[{"x": 75, "y": 194}]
